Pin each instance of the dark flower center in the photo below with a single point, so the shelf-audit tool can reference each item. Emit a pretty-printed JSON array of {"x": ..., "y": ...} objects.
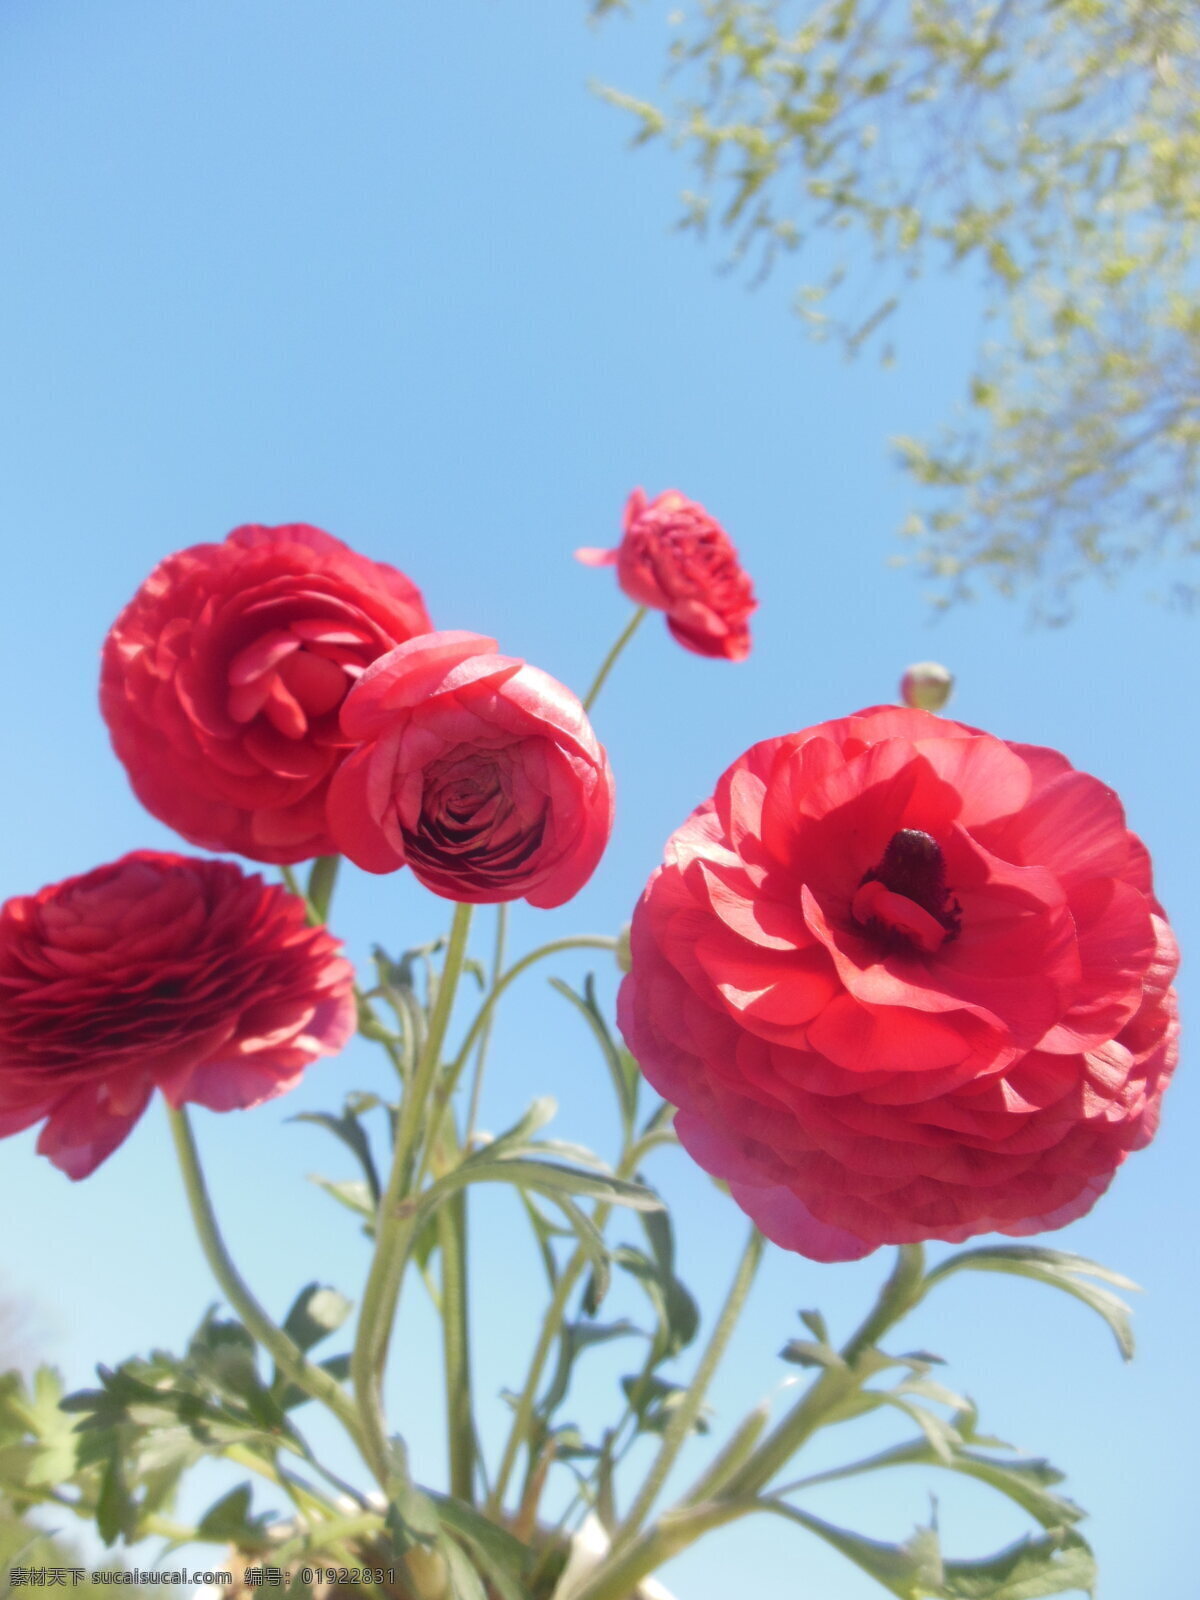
[{"x": 904, "y": 901}]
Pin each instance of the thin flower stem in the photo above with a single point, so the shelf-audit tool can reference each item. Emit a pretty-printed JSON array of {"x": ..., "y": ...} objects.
[
  {"x": 322, "y": 879},
  {"x": 456, "y": 1343},
  {"x": 552, "y": 1322},
  {"x": 398, "y": 1211},
  {"x": 686, "y": 1413},
  {"x": 289, "y": 1358},
  {"x": 584, "y": 941},
  {"x": 486, "y": 1032},
  {"x": 610, "y": 660},
  {"x": 550, "y": 1329}
]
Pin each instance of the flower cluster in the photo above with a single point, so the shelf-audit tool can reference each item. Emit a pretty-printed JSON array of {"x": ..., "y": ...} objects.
[{"x": 902, "y": 980}]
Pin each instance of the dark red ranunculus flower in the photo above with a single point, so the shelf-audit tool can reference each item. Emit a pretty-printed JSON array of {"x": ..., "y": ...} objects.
[
  {"x": 905, "y": 981},
  {"x": 158, "y": 972},
  {"x": 675, "y": 558},
  {"x": 224, "y": 675},
  {"x": 480, "y": 772}
]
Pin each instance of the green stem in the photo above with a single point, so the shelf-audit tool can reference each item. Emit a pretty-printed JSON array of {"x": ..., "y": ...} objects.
[
  {"x": 321, "y": 881},
  {"x": 486, "y": 1033},
  {"x": 610, "y": 660},
  {"x": 619, "y": 1575},
  {"x": 288, "y": 1357},
  {"x": 456, "y": 1343},
  {"x": 583, "y": 941},
  {"x": 685, "y": 1414},
  {"x": 397, "y": 1213},
  {"x": 899, "y": 1294},
  {"x": 548, "y": 1333}
]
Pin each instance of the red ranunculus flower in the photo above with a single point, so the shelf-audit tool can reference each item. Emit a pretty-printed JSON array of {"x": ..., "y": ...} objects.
[
  {"x": 158, "y": 972},
  {"x": 478, "y": 770},
  {"x": 675, "y": 558},
  {"x": 224, "y": 675},
  {"x": 904, "y": 981}
]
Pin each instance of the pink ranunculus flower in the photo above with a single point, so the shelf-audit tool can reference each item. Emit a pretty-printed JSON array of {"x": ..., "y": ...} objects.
[
  {"x": 675, "y": 558},
  {"x": 223, "y": 677},
  {"x": 158, "y": 972},
  {"x": 905, "y": 981},
  {"x": 478, "y": 771}
]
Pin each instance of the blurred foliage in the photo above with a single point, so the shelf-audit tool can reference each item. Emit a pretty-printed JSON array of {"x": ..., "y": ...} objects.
[{"x": 1052, "y": 146}]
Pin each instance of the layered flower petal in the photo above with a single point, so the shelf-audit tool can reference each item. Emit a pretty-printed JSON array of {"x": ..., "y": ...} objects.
[
  {"x": 904, "y": 981},
  {"x": 675, "y": 558},
  {"x": 478, "y": 771},
  {"x": 158, "y": 972},
  {"x": 223, "y": 678}
]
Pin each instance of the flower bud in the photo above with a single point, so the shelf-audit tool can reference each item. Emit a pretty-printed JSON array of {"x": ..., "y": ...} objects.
[
  {"x": 927, "y": 685},
  {"x": 428, "y": 1574},
  {"x": 623, "y": 952}
]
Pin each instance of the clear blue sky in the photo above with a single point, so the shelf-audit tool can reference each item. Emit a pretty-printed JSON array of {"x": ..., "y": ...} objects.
[{"x": 390, "y": 269}]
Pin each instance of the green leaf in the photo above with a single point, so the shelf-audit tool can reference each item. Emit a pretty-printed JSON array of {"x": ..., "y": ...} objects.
[
  {"x": 912, "y": 1570},
  {"x": 1059, "y": 1270},
  {"x": 350, "y": 1131},
  {"x": 622, "y": 1068},
  {"x": 816, "y": 1325},
  {"x": 465, "y": 1582},
  {"x": 730, "y": 1457},
  {"x": 116, "y": 1514},
  {"x": 412, "y": 1518},
  {"x": 1055, "y": 1564},
  {"x": 517, "y": 1137},
  {"x": 549, "y": 1178},
  {"x": 654, "y": 1400},
  {"x": 503, "y": 1558},
  {"x": 807, "y": 1353},
  {"x": 316, "y": 1313},
  {"x": 228, "y": 1521},
  {"x": 575, "y": 1338},
  {"x": 351, "y": 1193}
]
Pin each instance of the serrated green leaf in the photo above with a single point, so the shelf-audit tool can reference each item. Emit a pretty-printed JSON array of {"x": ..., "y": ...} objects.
[
  {"x": 228, "y": 1519},
  {"x": 1055, "y": 1564}
]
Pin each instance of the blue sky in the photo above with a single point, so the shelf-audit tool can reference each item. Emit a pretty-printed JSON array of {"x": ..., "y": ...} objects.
[{"x": 391, "y": 270}]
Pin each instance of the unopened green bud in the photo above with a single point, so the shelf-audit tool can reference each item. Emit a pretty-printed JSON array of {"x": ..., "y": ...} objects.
[
  {"x": 623, "y": 954},
  {"x": 927, "y": 685}
]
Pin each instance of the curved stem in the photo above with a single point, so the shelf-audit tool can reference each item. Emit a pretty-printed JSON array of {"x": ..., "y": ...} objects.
[
  {"x": 584, "y": 941},
  {"x": 581, "y": 941},
  {"x": 398, "y": 1210},
  {"x": 685, "y": 1414},
  {"x": 486, "y": 1034},
  {"x": 610, "y": 660},
  {"x": 288, "y": 1357}
]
